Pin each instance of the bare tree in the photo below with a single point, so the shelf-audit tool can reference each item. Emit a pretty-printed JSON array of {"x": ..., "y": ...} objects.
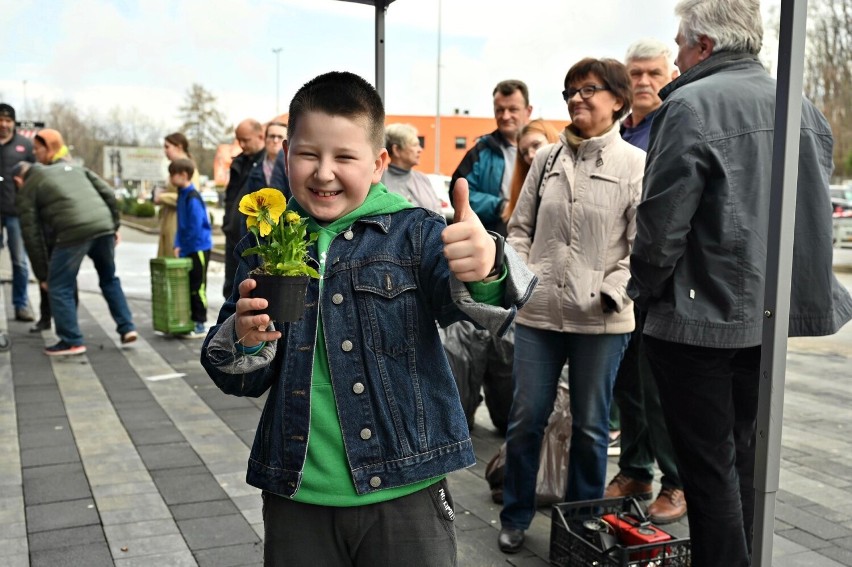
[
  {"x": 203, "y": 124},
  {"x": 828, "y": 72}
]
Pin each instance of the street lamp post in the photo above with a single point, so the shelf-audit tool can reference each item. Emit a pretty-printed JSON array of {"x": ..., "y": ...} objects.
[{"x": 277, "y": 52}]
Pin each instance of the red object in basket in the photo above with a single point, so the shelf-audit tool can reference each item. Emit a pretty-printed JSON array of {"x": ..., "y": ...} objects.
[{"x": 629, "y": 531}]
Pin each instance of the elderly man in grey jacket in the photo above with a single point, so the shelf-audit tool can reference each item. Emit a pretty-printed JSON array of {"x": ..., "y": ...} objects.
[{"x": 699, "y": 258}]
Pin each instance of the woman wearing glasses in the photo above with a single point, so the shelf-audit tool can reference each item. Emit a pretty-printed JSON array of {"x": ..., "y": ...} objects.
[{"x": 574, "y": 225}]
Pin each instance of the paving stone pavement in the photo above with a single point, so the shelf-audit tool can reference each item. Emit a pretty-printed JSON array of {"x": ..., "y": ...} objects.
[{"x": 131, "y": 456}]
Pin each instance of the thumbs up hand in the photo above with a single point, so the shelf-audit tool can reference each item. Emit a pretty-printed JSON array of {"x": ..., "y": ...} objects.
[{"x": 468, "y": 247}]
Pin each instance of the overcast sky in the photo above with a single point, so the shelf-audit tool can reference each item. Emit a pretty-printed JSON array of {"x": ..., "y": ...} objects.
[{"x": 145, "y": 53}]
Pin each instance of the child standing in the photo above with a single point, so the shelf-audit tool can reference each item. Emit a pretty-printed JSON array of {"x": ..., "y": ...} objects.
[
  {"x": 193, "y": 239},
  {"x": 363, "y": 420}
]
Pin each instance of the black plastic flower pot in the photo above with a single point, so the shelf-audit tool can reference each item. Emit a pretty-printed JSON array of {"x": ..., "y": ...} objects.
[{"x": 285, "y": 294}]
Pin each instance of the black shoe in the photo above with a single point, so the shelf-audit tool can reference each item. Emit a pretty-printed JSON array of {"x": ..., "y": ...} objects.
[
  {"x": 510, "y": 540},
  {"x": 41, "y": 325}
]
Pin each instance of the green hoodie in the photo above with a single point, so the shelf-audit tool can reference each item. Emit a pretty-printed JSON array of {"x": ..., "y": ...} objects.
[{"x": 326, "y": 476}]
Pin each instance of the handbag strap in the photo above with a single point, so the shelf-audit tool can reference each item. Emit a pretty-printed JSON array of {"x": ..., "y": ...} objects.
[{"x": 551, "y": 158}]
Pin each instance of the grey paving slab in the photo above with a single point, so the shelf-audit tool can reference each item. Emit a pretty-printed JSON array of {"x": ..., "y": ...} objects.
[
  {"x": 218, "y": 531},
  {"x": 147, "y": 545},
  {"x": 224, "y": 507},
  {"x": 248, "y": 554},
  {"x": 59, "y": 515},
  {"x": 46, "y": 438},
  {"x": 29, "y": 396},
  {"x": 41, "y": 456},
  {"x": 177, "y": 559},
  {"x": 55, "y": 483},
  {"x": 55, "y": 539},
  {"x": 180, "y": 489},
  {"x": 90, "y": 555},
  {"x": 156, "y": 435},
  {"x": 168, "y": 456}
]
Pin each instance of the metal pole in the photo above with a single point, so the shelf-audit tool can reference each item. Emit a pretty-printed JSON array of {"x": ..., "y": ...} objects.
[
  {"x": 779, "y": 265},
  {"x": 381, "y": 8},
  {"x": 438, "y": 100},
  {"x": 277, "y": 52}
]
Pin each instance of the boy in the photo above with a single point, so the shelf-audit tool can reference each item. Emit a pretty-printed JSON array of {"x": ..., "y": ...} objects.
[
  {"x": 363, "y": 420},
  {"x": 193, "y": 239}
]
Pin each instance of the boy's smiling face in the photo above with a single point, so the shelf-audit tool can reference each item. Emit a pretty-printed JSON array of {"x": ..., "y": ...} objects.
[{"x": 331, "y": 164}]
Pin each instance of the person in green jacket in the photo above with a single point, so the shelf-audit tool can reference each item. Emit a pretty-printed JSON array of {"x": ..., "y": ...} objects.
[{"x": 78, "y": 208}]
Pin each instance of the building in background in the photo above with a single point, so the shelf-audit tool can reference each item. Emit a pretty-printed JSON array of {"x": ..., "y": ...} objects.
[{"x": 458, "y": 134}]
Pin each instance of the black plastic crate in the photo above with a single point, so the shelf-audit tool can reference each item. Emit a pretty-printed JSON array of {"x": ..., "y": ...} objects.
[{"x": 569, "y": 547}]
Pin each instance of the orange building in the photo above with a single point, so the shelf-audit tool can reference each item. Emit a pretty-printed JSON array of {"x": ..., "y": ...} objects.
[{"x": 458, "y": 134}]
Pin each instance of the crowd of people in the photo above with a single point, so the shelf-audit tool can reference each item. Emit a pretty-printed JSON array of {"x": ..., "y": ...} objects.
[{"x": 629, "y": 248}]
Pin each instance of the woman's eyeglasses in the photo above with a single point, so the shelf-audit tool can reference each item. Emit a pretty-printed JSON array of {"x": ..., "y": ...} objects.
[{"x": 586, "y": 92}]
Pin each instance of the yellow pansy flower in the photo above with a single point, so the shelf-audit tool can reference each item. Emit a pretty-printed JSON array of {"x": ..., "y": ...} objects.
[{"x": 263, "y": 208}]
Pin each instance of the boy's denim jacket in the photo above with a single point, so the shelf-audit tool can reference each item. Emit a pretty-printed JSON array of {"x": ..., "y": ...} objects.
[{"x": 386, "y": 282}]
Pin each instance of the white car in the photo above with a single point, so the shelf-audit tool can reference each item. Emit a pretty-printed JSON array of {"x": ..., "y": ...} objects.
[{"x": 441, "y": 185}]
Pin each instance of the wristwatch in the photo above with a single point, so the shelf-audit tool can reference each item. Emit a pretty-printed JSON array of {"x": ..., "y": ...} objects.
[{"x": 499, "y": 243}]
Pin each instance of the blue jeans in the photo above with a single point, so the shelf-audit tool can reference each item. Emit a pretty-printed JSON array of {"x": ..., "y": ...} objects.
[
  {"x": 539, "y": 357},
  {"x": 20, "y": 268},
  {"x": 62, "y": 282}
]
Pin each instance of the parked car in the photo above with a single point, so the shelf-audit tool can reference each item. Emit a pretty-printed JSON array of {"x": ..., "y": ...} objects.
[
  {"x": 441, "y": 185},
  {"x": 841, "y": 212},
  {"x": 209, "y": 196}
]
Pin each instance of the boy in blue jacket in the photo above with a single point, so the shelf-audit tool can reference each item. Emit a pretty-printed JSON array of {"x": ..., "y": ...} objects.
[
  {"x": 193, "y": 239},
  {"x": 363, "y": 421}
]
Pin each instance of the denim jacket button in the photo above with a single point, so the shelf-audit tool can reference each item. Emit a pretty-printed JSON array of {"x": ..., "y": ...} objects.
[
  {"x": 366, "y": 434},
  {"x": 346, "y": 345},
  {"x": 348, "y": 235},
  {"x": 337, "y": 298},
  {"x": 375, "y": 482},
  {"x": 358, "y": 388}
]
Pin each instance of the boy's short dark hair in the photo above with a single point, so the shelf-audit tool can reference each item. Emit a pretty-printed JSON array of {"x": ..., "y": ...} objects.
[
  {"x": 509, "y": 86},
  {"x": 182, "y": 165},
  {"x": 340, "y": 93}
]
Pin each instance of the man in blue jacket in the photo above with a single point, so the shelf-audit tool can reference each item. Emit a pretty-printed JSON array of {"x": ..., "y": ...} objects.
[{"x": 488, "y": 166}]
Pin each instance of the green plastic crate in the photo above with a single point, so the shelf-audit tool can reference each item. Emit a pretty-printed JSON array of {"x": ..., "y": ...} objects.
[{"x": 170, "y": 295}]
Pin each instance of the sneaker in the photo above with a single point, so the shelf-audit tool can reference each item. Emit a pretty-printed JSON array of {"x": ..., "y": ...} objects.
[
  {"x": 24, "y": 314},
  {"x": 614, "y": 447},
  {"x": 5, "y": 343},
  {"x": 129, "y": 337},
  {"x": 198, "y": 332},
  {"x": 64, "y": 349}
]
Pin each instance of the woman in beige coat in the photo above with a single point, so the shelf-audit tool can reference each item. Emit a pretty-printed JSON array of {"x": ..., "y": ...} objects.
[
  {"x": 176, "y": 146},
  {"x": 574, "y": 225}
]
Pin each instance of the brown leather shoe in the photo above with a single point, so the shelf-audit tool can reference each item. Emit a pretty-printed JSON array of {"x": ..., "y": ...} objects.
[
  {"x": 622, "y": 485},
  {"x": 669, "y": 506}
]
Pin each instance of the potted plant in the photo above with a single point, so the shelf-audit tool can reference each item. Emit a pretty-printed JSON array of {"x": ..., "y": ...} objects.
[{"x": 282, "y": 244}]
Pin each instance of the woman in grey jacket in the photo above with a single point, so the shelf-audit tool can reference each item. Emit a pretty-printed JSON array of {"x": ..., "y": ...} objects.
[{"x": 574, "y": 225}]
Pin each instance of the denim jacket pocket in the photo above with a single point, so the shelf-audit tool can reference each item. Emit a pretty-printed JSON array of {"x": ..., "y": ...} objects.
[{"x": 386, "y": 294}]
